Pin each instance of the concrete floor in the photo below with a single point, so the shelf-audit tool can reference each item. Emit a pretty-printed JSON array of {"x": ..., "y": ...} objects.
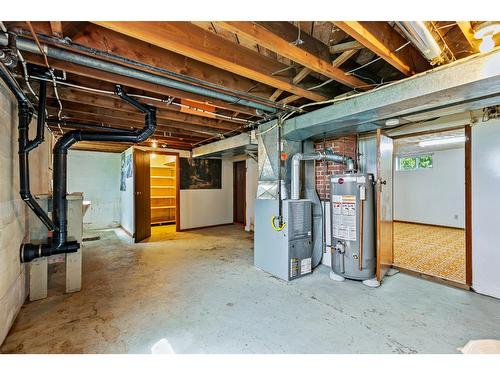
[{"x": 198, "y": 292}]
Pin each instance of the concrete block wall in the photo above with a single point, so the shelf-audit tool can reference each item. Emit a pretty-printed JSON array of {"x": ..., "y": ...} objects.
[
  {"x": 13, "y": 211},
  {"x": 345, "y": 146}
]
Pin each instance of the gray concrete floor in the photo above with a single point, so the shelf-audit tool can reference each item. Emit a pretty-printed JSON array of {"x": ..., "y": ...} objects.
[{"x": 199, "y": 291}]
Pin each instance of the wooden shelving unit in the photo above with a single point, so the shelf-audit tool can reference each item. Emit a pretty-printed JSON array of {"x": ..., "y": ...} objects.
[{"x": 163, "y": 193}]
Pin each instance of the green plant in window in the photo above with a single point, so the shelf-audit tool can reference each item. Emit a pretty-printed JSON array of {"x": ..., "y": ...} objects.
[
  {"x": 425, "y": 161},
  {"x": 408, "y": 163}
]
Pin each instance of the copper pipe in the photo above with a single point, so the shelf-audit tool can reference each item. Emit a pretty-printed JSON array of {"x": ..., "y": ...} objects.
[{"x": 361, "y": 236}]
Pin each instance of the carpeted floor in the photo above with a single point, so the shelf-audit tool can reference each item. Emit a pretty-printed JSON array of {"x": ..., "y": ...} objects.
[{"x": 432, "y": 250}]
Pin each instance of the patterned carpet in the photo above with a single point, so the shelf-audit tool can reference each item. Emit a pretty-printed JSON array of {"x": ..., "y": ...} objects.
[{"x": 431, "y": 250}]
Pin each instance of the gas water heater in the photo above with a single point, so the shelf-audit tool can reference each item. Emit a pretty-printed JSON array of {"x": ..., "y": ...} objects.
[{"x": 353, "y": 228}]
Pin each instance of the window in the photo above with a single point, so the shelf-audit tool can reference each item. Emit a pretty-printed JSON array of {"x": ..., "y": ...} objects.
[{"x": 411, "y": 163}]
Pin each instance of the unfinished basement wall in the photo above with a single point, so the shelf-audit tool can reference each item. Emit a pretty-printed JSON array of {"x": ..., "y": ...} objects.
[
  {"x": 486, "y": 207},
  {"x": 13, "y": 211},
  {"x": 97, "y": 176}
]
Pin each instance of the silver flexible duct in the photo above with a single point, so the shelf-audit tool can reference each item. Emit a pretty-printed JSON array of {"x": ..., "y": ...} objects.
[{"x": 417, "y": 33}]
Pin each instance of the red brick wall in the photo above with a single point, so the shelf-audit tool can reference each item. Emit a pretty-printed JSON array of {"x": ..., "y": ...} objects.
[{"x": 345, "y": 146}]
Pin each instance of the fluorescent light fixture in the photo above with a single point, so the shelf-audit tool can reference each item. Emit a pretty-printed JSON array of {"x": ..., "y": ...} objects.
[{"x": 442, "y": 141}]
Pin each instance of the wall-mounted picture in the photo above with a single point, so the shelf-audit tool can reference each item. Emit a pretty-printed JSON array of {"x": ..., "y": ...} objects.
[
  {"x": 201, "y": 173},
  {"x": 126, "y": 170}
]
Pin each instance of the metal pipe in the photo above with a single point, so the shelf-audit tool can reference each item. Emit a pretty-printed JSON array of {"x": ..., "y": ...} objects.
[
  {"x": 417, "y": 33},
  {"x": 28, "y": 45},
  {"x": 75, "y": 124},
  {"x": 326, "y": 155}
]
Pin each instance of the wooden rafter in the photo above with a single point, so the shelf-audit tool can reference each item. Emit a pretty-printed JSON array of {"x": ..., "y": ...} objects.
[
  {"x": 194, "y": 42},
  {"x": 268, "y": 39},
  {"x": 383, "y": 40}
]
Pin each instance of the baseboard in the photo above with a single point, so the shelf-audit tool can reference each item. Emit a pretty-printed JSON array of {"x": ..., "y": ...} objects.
[
  {"x": 429, "y": 225},
  {"x": 205, "y": 227},
  {"x": 11, "y": 303},
  {"x": 126, "y": 231},
  {"x": 435, "y": 279}
]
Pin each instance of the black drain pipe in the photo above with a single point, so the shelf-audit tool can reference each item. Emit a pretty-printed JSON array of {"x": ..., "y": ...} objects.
[
  {"x": 25, "y": 114},
  {"x": 67, "y": 140}
]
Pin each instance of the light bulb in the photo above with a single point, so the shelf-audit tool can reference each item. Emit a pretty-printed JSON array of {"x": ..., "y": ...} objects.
[
  {"x": 155, "y": 144},
  {"x": 153, "y": 155},
  {"x": 487, "y": 44}
]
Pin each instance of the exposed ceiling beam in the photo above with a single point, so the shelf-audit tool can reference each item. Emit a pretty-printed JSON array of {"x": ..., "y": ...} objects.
[
  {"x": 297, "y": 79},
  {"x": 100, "y": 38},
  {"x": 383, "y": 40},
  {"x": 132, "y": 82},
  {"x": 105, "y": 115},
  {"x": 274, "y": 42},
  {"x": 56, "y": 27},
  {"x": 466, "y": 29},
  {"x": 202, "y": 45},
  {"x": 105, "y": 101},
  {"x": 346, "y": 46}
]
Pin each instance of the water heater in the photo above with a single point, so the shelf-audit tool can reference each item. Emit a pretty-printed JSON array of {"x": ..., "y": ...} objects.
[{"x": 352, "y": 222}]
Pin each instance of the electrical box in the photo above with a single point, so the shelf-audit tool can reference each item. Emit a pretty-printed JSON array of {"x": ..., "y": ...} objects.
[
  {"x": 352, "y": 221},
  {"x": 286, "y": 254}
]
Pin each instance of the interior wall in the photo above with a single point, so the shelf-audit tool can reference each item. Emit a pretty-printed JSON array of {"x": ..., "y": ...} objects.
[
  {"x": 13, "y": 211},
  {"x": 127, "y": 212},
  {"x": 435, "y": 195},
  {"x": 486, "y": 207},
  {"x": 207, "y": 207},
  {"x": 97, "y": 175}
]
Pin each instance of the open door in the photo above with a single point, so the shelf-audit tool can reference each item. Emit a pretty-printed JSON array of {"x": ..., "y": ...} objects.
[
  {"x": 384, "y": 204},
  {"x": 239, "y": 192},
  {"x": 142, "y": 195}
]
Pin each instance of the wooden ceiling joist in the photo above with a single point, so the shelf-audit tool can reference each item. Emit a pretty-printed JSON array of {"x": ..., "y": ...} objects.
[
  {"x": 105, "y": 101},
  {"x": 56, "y": 27},
  {"x": 383, "y": 40},
  {"x": 100, "y": 38},
  {"x": 264, "y": 37},
  {"x": 466, "y": 29},
  {"x": 132, "y": 82},
  {"x": 115, "y": 117},
  {"x": 346, "y": 46},
  {"x": 202, "y": 45}
]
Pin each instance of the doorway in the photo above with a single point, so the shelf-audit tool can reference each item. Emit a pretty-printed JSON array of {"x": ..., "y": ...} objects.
[
  {"x": 239, "y": 192},
  {"x": 430, "y": 205}
]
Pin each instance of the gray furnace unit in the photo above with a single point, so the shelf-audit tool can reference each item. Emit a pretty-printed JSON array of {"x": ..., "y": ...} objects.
[
  {"x": 353, "y": 228},
  {"x": 285, "y": 253}
]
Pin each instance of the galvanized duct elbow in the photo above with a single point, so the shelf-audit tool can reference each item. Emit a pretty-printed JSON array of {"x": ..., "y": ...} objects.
[
  {"x": 327, "y": 155},
  {"x": 417, "y": 33}
]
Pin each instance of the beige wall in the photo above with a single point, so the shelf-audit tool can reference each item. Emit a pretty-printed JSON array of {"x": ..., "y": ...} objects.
[{"x": 13, "y": 210}]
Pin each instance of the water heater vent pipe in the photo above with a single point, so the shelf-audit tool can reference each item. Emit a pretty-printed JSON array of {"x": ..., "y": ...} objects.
[{"x": 327, "y": 155}]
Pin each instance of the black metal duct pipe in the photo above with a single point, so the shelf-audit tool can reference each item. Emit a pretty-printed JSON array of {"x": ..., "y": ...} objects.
[{"x": 59, "y": 238}]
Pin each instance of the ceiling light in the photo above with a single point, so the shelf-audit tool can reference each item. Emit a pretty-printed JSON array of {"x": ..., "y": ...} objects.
[
  {"x": 487, "y": 31},
  {"x": 155, "y": 144},
  {"x": 442, "y": 141},
  {"x": 153, "y": 155},
  {"x": 392, "y": 122}
]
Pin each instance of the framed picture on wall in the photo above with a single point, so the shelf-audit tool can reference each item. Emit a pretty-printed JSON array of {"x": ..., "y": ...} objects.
[{"x": 201, "y": 174}]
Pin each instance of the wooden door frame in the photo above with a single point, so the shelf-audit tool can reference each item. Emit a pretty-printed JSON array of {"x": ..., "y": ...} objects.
[
  {"x": 468, "y": 191},
  {"x": 245, "y": 193},
  {"x": 177, "y": 183}
]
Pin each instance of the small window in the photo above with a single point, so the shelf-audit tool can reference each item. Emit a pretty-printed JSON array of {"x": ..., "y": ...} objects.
[{"x": 412, "y": 163}]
